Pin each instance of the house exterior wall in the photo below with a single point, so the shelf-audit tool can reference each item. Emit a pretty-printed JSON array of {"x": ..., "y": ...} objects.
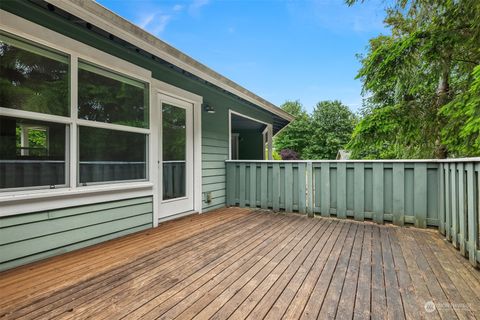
[
  {"x": 81, "y": 221},
  {"x": 34, "y": 236},
  {"x": 214, "y": 126}
]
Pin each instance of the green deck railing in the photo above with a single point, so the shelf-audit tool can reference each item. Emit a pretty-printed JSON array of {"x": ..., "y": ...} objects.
[{"x": 443, "y": 194}]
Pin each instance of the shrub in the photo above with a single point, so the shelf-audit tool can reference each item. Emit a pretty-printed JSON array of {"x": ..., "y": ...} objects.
[{"x": 289, "y": 154}]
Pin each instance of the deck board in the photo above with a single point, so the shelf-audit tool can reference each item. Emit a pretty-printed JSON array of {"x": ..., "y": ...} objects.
[
  {"x": 243, "y": 263},
  {"x": 207, "y": 282}
]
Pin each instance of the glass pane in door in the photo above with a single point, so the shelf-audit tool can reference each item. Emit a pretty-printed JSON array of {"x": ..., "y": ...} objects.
[{"x": 174, "y": 144}]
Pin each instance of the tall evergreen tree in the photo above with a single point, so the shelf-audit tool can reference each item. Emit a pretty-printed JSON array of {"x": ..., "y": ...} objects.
[{"x": 423, "y": 97}]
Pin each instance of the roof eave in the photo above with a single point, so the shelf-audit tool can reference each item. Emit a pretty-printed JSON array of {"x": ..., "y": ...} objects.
[{"x": 102, "y": 17}]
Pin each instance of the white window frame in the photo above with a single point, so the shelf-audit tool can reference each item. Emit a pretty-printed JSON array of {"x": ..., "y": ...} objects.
[
  {"x": 109, "y": 126},
  {"x": 23, "y": 200},
  {"x": 49, "y": 118}
]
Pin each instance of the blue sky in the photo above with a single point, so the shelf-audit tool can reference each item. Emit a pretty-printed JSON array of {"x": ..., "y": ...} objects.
[{"x": 281, "y": 50}]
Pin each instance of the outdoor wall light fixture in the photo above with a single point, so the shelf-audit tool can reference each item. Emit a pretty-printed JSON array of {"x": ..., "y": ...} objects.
[{"x": 208, "y": 108}]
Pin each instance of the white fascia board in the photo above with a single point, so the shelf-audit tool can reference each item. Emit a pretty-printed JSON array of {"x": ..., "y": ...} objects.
[{"x": 105, "y": 19}]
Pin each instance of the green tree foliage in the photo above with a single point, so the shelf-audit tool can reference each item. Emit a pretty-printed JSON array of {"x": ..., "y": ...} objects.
[
  {"x": 318, "y": 135},
  {"x": 331, "y": 124},
  {"x": 423, "y": 96},
  {"x": 32, "y": 82},
  {"x": 110, "y": 99},
  {"x": 297, "y": 135},
  {"x": 462, "y": 131},
  {"x": 275, "y": 155}
]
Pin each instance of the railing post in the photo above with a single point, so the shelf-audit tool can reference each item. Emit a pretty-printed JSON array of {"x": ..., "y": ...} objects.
[
  {"x": 378, "y": 186},
  {"x": 448, "y": 211},
  {"x": 359, "y": 191},
  {"x": 441, "y": 198},
  {"x": 302, "y": 201},
  {"x": 230, "y": 183},
  {"x": 253, "y": 185},
  {"x": 310, "y": 193},
  {"x": 288, "y": 187},
  {"x": 398, "y": 194},
  {"x": 341, "y": 190},
  {"x": 472, "y": 214},
  {"x": 455, "y": 212},
  {"x": 242, "y": 177},
  {"x": 263, "y": 185},
  {"x": 276, "y": 186},
  {"x": 420, "y": 195},
  {"x": 325, "y": 197},
  {"x": 462, "y": 222}
]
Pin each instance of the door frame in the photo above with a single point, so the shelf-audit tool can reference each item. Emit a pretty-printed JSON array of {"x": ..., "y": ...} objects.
[
  {"x": 184, "y": 203},
  {"x": 161, "y": 88}
]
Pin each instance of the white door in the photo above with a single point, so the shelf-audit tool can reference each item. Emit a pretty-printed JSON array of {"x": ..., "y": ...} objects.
[{"x": 175, "y": 156}]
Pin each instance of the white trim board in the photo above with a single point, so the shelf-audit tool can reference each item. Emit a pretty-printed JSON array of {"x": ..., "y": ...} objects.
[
  {"x": 46, "y": 199},
  {"x": 248, "y": 117}
]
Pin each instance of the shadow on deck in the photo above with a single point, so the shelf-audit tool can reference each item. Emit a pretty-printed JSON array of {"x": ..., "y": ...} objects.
[{"x": 241, "y": 263}]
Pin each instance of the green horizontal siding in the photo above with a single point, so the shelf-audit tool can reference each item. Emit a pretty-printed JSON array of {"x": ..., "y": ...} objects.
[
  {"x": 214, "y": 154},
  {"x": 213, "y": 172},
  {"x": 33, "y": 236},
  {"x": 214, "y": 157}
]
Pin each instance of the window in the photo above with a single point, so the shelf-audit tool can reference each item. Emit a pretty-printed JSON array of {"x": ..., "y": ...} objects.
[
  {"x": 112, "y": 123},
  {"x": 33, "y": 78},
  {"x": 105, "y": 96},
  {"x": 174, "y": 145},
  {"x": 111, "y": 155},
  {"x": 118, "y": 154},
  {"x": 32, "y": 153}
]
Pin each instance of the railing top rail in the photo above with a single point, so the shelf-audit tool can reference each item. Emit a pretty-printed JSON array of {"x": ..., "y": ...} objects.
[{"x": 473, "y": 159}]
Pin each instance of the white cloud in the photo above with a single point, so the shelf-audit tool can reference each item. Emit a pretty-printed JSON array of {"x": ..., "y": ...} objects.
[
  {"x": 196, "y": 5},
  {"x": 160, "y": 23},
  {"x": 155, "y": 22},
  {"x": 145, "y": 20}
]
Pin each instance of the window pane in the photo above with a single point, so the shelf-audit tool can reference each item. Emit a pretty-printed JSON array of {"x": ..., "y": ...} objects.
[
  {"x": 111, "y": 155},
  {"x": 174, "y": 135},
  {"x": 32, "y": 153},
  {"x": 107, "y": 97},
  {"x": 33, "y": 78}
]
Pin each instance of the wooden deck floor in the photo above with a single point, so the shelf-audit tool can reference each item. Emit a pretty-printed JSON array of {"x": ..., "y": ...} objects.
[{"x": 236, "y": 263}]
